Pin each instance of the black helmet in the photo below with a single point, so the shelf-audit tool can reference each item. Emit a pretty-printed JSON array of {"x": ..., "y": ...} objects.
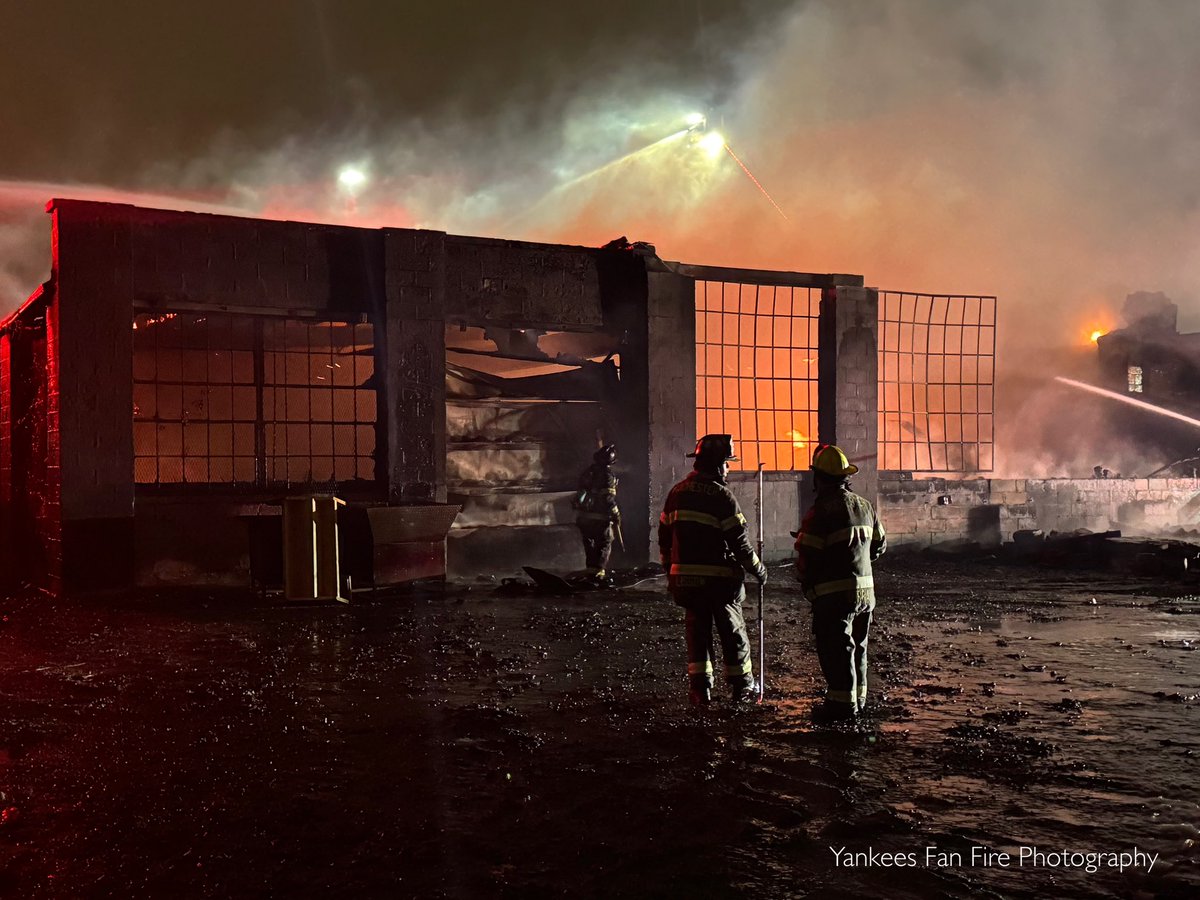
[
  {"x": 606, "y": 455},
  {"x": 717, "y": 447}
]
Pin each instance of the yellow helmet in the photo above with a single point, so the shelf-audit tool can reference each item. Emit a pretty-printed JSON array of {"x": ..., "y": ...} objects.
[{"x": 830, "y": 460}]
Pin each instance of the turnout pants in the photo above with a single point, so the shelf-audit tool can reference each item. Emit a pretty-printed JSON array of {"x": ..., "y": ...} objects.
[
  {"x": 841, "y": 628},
  {"x": 723, "y": 610},
  {"x": 597, "y": 544}
]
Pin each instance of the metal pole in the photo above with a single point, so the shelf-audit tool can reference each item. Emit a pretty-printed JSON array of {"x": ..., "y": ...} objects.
[{"x": 762, "y": 643}]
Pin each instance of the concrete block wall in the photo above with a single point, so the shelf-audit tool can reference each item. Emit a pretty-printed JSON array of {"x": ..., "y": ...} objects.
[
  {"x": 45, "y": 374},
  {"x": 628, "y": 308},
  {"x": 32, "y": 508},
  {"x": 849, "y": 375},
  {"x": 7, "y": 574},
  {"x": 671, "y": 373},
  {"x": 414, "y": 364},
  {"x": 93, "y": 307},
  {"x": 912, "y": 514},
  {"x": 781, "y": 511},
  {"x": 991, "y": 510},
  {"x": 227, "y": 260},
  {"x": 522, "y": 285}
]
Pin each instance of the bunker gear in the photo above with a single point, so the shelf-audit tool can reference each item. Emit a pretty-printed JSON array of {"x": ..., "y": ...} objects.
[
  {"x": 596, "y": 512},
  {"x": 837, "y": 541},
  {"x": 705, "y": 550}
]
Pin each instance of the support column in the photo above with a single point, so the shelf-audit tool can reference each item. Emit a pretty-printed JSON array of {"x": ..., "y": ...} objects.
[
  {"x": 6, "y": 473},
  {"x": 621, "y": 277},
  {"x": 413, "y": 363},
  {"x": 848, "y": 380},
  {"x": 89, "y": 370},
  {"x": 671, "y": 358}
]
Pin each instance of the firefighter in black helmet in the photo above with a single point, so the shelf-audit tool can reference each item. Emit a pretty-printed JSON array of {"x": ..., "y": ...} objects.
[
  {"x": 596, "y": 511},
  {"x": 706, "y": 552}
]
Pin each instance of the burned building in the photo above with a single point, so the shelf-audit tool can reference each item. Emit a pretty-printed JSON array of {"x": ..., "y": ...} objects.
[
  {"x": 1150, "y": 361},
  {"x": 1149, "y": 358},
  {"x": 179, "y": 374}
]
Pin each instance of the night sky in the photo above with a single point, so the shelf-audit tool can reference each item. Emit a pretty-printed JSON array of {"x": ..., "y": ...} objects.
[
  {"x": 1045, "y": 152},
  {"x": 126, "y": 93}
]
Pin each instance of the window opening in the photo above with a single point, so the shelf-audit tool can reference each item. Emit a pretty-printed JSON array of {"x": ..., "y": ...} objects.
[
  {"x": 253, "y": 401},
  {"x": 756, "y": 370}
]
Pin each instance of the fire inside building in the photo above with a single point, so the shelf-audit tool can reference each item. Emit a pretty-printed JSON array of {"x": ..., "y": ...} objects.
[{"x": 180, "y": 375}]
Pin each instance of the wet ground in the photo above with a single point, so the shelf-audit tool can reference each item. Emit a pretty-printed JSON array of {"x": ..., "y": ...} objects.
[{"x": 472, "y": 745}]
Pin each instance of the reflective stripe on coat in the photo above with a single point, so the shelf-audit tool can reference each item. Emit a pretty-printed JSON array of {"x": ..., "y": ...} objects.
[
  {"x": 837, "y": 541},
  {"x": 702, "y": 536}
]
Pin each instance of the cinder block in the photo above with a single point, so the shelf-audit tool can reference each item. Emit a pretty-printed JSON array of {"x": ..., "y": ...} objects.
[{"x": 893, "y": 521}]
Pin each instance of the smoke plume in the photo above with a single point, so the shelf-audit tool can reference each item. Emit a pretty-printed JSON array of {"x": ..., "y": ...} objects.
[{"x": 1047, "y": 153}]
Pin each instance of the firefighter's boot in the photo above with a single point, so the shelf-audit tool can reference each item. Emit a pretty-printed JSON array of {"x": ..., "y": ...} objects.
[
  {"x": 745, "y": 690},
  {"x": 831, "y": 711},
  {"x": 699, "y": 690}
]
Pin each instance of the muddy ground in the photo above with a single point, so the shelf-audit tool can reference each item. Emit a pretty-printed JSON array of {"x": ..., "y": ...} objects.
[{"x": 463, "y": 744}]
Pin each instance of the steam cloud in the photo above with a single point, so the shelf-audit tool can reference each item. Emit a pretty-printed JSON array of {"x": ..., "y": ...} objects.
[{"x": 1048, "y": 153}]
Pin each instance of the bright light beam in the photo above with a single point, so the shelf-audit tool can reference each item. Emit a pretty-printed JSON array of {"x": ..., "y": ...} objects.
[
  {"x": 757, "y": 183},
  {"x": 1141, "y": 404},
  {"x": 352, "y": 177},
  {"x": 559, "y": 190},
  {"x": 712, "y": 143},
  {"x": 612, "y": 164}
]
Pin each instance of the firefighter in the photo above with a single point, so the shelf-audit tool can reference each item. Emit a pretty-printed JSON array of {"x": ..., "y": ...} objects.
[
  {"x": 597, "y": 512},
  {"x": 837, "y": 541},
  {"x": 706, "y": 552}
]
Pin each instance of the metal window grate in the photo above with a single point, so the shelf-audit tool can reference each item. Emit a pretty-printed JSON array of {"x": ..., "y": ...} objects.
[
  {"x": 251, "y": 400},
  {"x": 936, "y": 382},
  {"x": 756, "y": 370}
]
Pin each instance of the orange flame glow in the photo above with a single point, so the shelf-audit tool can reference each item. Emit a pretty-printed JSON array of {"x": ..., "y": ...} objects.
[
  {"x": 799, "y": 441},
  {"x": 154, "y": 320}
]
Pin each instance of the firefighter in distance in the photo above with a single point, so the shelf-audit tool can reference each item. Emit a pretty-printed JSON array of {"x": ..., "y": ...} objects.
[{"x": 596, "y": 511}]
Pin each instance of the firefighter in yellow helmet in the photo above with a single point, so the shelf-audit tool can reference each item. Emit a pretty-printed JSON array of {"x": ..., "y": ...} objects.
[
  {"x": 706, "y": 552},
  {"x": 837, "y": 541}
]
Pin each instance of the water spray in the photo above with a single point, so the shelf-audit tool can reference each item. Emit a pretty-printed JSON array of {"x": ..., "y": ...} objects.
[
  {"x": 1141, "y": 404},
  {"x": 622, "y": 160}
]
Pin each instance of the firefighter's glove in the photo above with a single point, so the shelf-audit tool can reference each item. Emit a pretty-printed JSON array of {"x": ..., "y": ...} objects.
[{"x": 760, "y": 574}]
